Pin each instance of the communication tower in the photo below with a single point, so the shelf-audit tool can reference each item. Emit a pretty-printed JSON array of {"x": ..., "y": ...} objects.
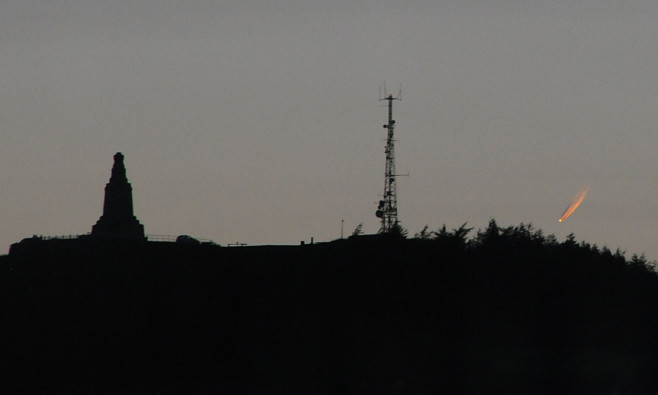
[{"x": 387, "y": 210}]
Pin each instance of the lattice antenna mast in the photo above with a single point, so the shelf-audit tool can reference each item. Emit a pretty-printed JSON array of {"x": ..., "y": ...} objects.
[{"x": 387, "y": 210}]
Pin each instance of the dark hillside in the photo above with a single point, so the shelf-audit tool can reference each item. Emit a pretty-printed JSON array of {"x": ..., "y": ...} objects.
[{"x": 510, "y": 311}]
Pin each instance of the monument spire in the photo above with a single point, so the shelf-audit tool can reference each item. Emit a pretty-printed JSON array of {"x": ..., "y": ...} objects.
[{"x": 118, "y": 220}]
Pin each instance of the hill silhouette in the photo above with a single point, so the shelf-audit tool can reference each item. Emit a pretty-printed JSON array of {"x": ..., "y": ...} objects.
[{"x": 509, "y": 310}]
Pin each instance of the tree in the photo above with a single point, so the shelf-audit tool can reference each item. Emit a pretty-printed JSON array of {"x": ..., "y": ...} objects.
[
  {"x": 358, "y": 231},
  {"x": 398, "y": 231},
  {"x": 424, "y": 234}
]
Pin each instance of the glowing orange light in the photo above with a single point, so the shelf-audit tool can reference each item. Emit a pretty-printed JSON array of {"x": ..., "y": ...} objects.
[{"x": 574, "y": 204}]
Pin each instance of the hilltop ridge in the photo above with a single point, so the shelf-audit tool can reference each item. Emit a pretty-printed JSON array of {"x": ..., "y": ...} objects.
[{"x": 510, "y": 310}]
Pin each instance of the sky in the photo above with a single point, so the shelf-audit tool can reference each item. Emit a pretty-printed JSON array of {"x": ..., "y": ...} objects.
[{"x": 259, "y": 122}]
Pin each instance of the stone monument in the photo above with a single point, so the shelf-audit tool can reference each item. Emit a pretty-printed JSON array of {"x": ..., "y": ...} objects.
[{"x": 118, "y": 220}]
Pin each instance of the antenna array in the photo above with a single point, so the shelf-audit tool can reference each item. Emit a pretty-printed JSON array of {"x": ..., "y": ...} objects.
[{"x": 387, "y": 210}]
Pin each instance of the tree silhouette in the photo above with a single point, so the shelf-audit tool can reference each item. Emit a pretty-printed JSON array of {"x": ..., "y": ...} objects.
[
  {"x": 358, "y": 231},
  {"x": 424, "y": 234},
  {"x": 398, "y": 231}
]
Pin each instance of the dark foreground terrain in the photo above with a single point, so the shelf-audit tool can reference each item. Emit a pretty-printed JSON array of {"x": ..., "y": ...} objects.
[{"x": 510, "y": 311}]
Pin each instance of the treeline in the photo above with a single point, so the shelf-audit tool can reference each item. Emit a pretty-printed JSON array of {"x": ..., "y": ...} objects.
[
  {"x": 522, "y": 237},
  {"x": 498, "y": 310}
]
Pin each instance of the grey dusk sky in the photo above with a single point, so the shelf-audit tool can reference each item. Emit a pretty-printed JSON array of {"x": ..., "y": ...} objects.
[{"x": 259, "y": 121}]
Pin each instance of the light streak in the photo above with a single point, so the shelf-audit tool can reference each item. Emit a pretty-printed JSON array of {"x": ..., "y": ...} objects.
[{"x": 574, "y": 204}]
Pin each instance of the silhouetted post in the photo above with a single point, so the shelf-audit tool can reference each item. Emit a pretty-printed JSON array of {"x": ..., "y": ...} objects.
[{"x": 118, "y": 220}]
